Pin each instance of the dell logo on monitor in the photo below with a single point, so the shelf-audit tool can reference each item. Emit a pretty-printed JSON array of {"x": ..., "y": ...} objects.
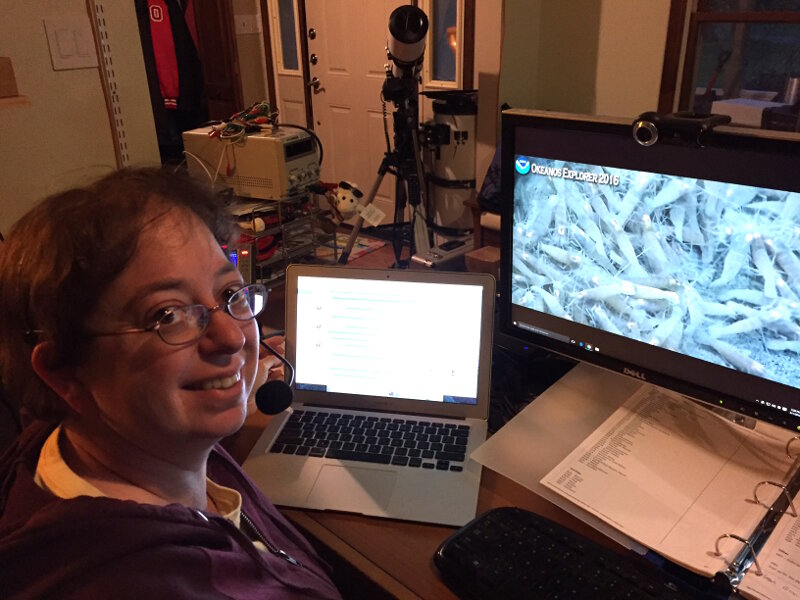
[{"x": 634, "y": 373}]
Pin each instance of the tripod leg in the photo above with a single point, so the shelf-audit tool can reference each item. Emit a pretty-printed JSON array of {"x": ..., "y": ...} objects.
[
  {"x": 420, "y": 219},
  {"x": 360, "y": 221}
]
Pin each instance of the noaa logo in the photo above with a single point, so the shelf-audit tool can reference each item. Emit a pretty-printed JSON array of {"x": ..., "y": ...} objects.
[
  {"x": 634, "y": 373},
  {"x": 523, "y": 165}
]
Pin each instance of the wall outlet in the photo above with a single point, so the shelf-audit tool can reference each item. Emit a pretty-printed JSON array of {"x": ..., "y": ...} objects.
[{"x": 247, "y": 24}]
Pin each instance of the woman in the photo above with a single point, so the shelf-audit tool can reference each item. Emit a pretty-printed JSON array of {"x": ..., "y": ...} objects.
[{"x": 130, "y": 338}]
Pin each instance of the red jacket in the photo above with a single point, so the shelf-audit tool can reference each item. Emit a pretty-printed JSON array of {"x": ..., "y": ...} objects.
[{"x": 105, "y": 548}]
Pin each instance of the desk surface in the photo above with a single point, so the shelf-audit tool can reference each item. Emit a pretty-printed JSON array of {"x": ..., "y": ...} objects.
[{"x": 395, "y": 555}]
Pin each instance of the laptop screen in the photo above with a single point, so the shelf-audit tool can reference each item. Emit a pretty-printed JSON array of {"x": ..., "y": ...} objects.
[{"x": 417, "y": 336}]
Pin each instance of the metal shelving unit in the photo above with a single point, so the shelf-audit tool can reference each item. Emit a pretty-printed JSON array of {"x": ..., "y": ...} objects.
[{"x": 295, "y": 228}]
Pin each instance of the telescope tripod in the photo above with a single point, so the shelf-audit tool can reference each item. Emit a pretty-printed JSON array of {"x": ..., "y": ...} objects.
[{"x": 409, "y": 189}]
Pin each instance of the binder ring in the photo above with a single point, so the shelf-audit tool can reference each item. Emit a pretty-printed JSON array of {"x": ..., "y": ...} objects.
[
  {"x": 789, "y": 443},
  {"x": 785, "y": 494},
  {"x": 743, "y": 541}
]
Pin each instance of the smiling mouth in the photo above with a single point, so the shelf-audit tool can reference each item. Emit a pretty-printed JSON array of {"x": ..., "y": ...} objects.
[{"x": 219, "y": 383}]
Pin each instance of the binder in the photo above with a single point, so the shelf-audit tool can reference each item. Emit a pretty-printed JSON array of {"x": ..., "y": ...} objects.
[
  {"x": 747, "y": 557},
  {"x": 750, "y": 544}
]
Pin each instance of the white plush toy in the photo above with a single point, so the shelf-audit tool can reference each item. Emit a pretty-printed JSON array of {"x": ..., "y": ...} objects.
[{"x": 347, "y": 200}]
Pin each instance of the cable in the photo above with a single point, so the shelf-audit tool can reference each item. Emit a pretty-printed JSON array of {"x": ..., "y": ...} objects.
[{"x": 199, "y": 162}]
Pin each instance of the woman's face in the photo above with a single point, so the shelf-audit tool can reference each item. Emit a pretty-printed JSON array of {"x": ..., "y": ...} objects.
[{"x": 159, "y": 396}]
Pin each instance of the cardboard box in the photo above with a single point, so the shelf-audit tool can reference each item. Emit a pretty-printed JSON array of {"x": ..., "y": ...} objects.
[{"x": 8, "y": 83}]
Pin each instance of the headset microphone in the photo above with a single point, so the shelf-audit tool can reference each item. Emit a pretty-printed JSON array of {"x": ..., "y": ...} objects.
[{"x": 275, "y": 396}]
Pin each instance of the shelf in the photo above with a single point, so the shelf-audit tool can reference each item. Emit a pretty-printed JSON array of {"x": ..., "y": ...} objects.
[{"x": 297, "y": 236}]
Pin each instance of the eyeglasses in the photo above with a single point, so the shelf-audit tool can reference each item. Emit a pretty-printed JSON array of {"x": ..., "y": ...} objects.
[{"x": 180, "y": 325}]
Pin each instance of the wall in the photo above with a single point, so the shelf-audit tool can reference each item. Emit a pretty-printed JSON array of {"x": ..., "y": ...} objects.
[
  {"x": 630, "y": 55},
  {"x": 250, "y": 49},
  {"x": 60, "y": 135},
  {"x": 584, "y": 56},
  {"x": 488, "y": 42}
]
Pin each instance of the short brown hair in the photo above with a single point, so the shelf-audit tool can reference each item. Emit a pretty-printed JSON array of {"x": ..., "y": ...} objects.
[{"x": 60, "y": 257}]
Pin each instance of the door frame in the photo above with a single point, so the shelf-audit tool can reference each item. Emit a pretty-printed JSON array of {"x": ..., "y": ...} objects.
[{"x": 269, "y": 57}]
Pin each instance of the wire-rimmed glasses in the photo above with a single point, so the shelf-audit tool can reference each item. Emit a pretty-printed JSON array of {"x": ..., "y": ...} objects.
[{"x": 180, "y": 325}]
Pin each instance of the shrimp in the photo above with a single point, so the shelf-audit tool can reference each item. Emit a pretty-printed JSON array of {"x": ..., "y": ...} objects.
[
  {"x": 733, "y": 356},
  {"x": 633, "y": 196},
  {"x": 561, "y": 256},
  {"x": 627, "y": 288},
  {"x": 663, "y": 332},
  {"x": 527, "y": 273},
  {"x": 784, "y": 345},
  {"x": 677, "y": 214},
  {"x": 625, "y": 247},
  {"x": 755, "y": 297},
  {"x": 691, "y": 231},
  {"x": 544, "y": 218},
  {"x": 583, "y": 240},
  {"x": 764, "y": 266},
  {"x": 669, "y": 193},
  {"x": 789, "y": 263},
  {"x": 653, "y": 251},
  {"x": 734, "y": 261},
  {"x": 552, "y": 303},
  {"x": 603, "y": 320}
]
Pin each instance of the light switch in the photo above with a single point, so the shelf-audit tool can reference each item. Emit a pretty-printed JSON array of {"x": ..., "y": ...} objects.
[
  {"x": 65, "y": 43},
  {"x": 71, "y": 42}
]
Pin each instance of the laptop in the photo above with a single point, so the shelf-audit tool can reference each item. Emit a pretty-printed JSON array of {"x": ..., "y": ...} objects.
[{"x": 391, "y": 393}]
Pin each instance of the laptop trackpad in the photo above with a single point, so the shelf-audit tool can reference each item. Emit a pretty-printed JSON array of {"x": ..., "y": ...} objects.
[{"x": 352, "y": 489}]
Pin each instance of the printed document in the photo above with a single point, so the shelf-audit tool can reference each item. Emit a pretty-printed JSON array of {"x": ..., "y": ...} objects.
[{"x": 675, "y": 476}]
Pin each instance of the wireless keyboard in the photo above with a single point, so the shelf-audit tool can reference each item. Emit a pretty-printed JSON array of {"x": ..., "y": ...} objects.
[{"x": 513, "y": 553}]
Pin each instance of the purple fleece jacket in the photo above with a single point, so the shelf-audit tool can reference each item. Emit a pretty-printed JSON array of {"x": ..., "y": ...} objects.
[{"x": 105, "y": 548}]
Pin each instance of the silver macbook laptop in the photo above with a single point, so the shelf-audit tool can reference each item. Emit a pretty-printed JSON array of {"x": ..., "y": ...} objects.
[{"x": 391, "y": 393}]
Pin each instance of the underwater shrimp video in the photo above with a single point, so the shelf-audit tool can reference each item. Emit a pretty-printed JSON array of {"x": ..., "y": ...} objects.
[{"x": 708, "y": 269}]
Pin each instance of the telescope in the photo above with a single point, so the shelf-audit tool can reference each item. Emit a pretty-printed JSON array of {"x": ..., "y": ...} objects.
[
  {"x": 406, "y": 43},
  {"x": 405, "y": 48}
]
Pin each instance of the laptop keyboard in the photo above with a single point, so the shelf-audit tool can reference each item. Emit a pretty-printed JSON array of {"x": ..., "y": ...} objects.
[{"x": 420, "y": 444}]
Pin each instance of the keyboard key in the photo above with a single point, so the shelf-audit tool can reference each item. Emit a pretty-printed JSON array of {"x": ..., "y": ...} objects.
[
  {"x": 384, "y": 459},
  {"x": 450, "y": 456}
]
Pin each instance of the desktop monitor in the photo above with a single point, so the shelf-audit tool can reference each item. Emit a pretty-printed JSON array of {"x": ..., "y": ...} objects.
[{"x": 677, "y": 262}]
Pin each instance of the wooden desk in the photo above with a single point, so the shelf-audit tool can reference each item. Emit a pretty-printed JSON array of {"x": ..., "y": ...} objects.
[
  {"x": 395, "y": 558},
  {"x": 373, "y": 557}
]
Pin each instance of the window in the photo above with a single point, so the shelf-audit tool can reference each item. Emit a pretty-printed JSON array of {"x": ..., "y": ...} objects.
[
  {"x": 448, "y": 59},
  {"x": 287, "y": 25},
  {"x": 743, "y": 59}
]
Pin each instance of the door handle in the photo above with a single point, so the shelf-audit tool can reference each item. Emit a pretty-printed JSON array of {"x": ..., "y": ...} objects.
[{"x": 314, "y": 84}]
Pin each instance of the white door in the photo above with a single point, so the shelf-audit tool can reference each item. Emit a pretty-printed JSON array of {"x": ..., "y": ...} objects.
[
  {"x": 289, "y": 87},
  {"x": 347, "y": 54}
]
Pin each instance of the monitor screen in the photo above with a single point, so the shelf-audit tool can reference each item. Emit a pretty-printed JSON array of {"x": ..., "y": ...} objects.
[{"x": 676, "y": 263}]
